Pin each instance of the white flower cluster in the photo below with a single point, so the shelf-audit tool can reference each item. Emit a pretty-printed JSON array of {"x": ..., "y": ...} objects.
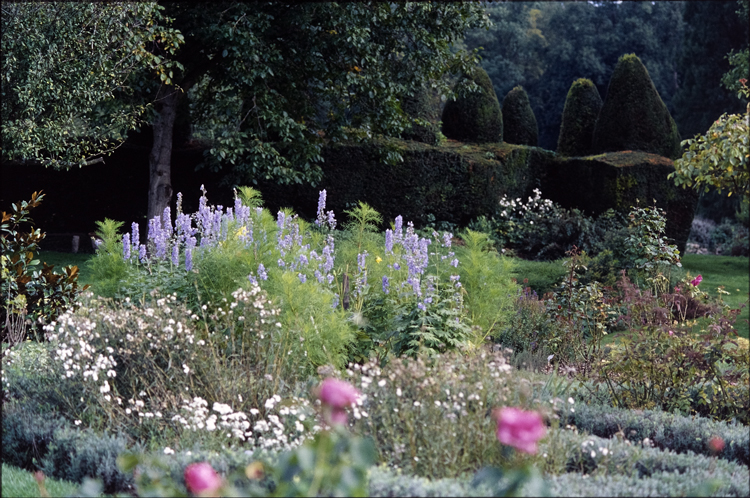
[
  {"x": 258, "y": 299},
  {"x": 517, "y": 209},
  {"x": 277, "y": 432},
  {"x": 87, "y": 341}
]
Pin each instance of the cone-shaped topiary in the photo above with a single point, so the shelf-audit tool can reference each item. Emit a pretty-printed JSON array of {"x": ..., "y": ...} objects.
[
  {"x": 519, "y": 122},
  {"x": 475, "y": 117},
  {"x": 633, "y": 116},
  {"x": 425, "y": 105},
  {"x": 582, "y": 106}
]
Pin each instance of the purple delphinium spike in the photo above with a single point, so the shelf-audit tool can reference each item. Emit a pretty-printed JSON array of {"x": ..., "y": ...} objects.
[
  {"x": 135, "y": 239},
  {"x": 302, "y": 277},
  {"x": 335, "y": 301},
  {"x": 176, "y": 255},
  {"x": 321, "y": 218},
  {"x": 166, "y": 222},
  {"x": 188, "y": 259},
  {"x": 447, "y": 238},
  {"x": 388, "y": 241},
  {"x": 252, "y": 279},
  {"x": 125, "y": 246},
  {"x": 331, "y": 220},
  {"x": 386, "y": 285},
  {"x": 280, "y": 220},
  {"x": 142, "y": 253},
  {"x": 262, "y": 272},
  {"x": 397, "y": 228}
]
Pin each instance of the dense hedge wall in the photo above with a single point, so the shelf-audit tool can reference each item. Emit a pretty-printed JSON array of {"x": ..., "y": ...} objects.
[
  {"x": 619, "y": 180},
  {"x": 454, "y": 182}
]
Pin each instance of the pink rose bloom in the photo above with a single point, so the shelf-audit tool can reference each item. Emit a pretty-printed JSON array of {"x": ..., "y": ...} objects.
[
  {"x": 520, "y": 429},
  {"x": 697, "y": 281},
  {"x": 671, "y": 333},
  {"x": 202, "y": 479},
  {"x": 716, "y": 444},
  {"x": 338, "y": 394}
]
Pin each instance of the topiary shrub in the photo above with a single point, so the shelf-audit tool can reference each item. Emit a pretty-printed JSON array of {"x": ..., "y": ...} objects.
[
  {"x": 474, "y": 117},
  {"x": 518, "y": 119},
  {"x": 582, "y": 107},
  {"x": 423, "y": 105},
  {"x": 633, "y": 116}
]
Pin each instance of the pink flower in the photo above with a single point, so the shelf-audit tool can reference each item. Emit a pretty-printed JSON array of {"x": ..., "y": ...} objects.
[
  {"x": 202, "y": 479},
  {"x": 697, "y": 281},
  {"x": 716, "y": 444},
  {"x": 519, "y": 429},
  {"x": 338, "y": 394},
  {"x": 677, "y": 289}
]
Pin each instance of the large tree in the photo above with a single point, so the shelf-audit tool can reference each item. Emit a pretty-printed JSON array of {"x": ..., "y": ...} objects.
[
  {"x": 73, "y": 77},
  {"x": 265, "y": 82}
]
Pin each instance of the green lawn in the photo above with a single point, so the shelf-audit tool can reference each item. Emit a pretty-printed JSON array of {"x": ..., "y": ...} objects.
[
  {"x": 730, "y": 271},
  {"x": 20, "y": 483}
]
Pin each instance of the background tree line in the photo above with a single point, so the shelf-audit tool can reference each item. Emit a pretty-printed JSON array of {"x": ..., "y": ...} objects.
[{"x": 545, "y": 46}]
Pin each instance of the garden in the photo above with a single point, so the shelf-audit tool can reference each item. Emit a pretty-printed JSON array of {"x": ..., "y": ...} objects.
[
  {"x": 236, "y": 352},
  {"x": 394, "y": 287}
]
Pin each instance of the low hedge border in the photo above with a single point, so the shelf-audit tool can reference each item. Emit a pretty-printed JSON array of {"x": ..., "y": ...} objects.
[{"x": 668, "y": 431}]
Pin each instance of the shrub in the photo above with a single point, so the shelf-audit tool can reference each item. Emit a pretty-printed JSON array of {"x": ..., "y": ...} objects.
[
  {"x": 152, "y": 369},
  {"x": 431, "y": 415},
  {"x": 633, "y": 116},
  {"x": 665, "y": 364},
  {"x": 582, "y": 106},
  {"x": 701, "y": 231},
  {"x": 475, "y": 117},
  {"x": 31, "y": 296},
  {"x": 75, "y": 455},
  {"x": 26, "y": 435},
  {"x": 519, "y": 122}
]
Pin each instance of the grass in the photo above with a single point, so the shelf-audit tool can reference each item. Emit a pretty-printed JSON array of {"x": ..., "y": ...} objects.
[
  {"x": 21, "y": 483},
  {"x": 731, "y": 272}
]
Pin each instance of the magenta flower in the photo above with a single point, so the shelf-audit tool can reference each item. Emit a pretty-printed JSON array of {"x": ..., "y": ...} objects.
[
  {"x": 671, "y": 333},
  {"x": 697, "y": 281},
  {"x": 202, "y": 479},
  {"x": 336, "y": 395},
  {"x": 519, "y": 429}
]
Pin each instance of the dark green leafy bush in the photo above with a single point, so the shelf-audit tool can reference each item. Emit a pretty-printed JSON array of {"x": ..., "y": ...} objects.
[
  {"x": 31, "y": 294},
  {"x": 475, "y": 117},
  {"x": 582, "y": 106},
  {"x": 633, "y": 116},
  {"x": 519, "y": 123}
]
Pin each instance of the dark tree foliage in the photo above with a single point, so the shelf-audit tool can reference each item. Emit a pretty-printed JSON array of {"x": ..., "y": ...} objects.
[
  {"x": 712, "y": 30},
  {"x": 633, "y": 116},
  {"x": 546, "y": 45},
  {"x": 476, "y": 116},
  {"x": 519, "y": 121},
  {"x": 581, "y": 110}
]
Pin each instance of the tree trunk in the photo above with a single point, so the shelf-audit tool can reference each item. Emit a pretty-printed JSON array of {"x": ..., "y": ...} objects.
[{"x": 160, "y": 159}]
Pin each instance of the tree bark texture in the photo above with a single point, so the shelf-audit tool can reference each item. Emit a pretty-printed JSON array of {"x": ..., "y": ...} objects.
[{"x": 160, "y": 159}]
